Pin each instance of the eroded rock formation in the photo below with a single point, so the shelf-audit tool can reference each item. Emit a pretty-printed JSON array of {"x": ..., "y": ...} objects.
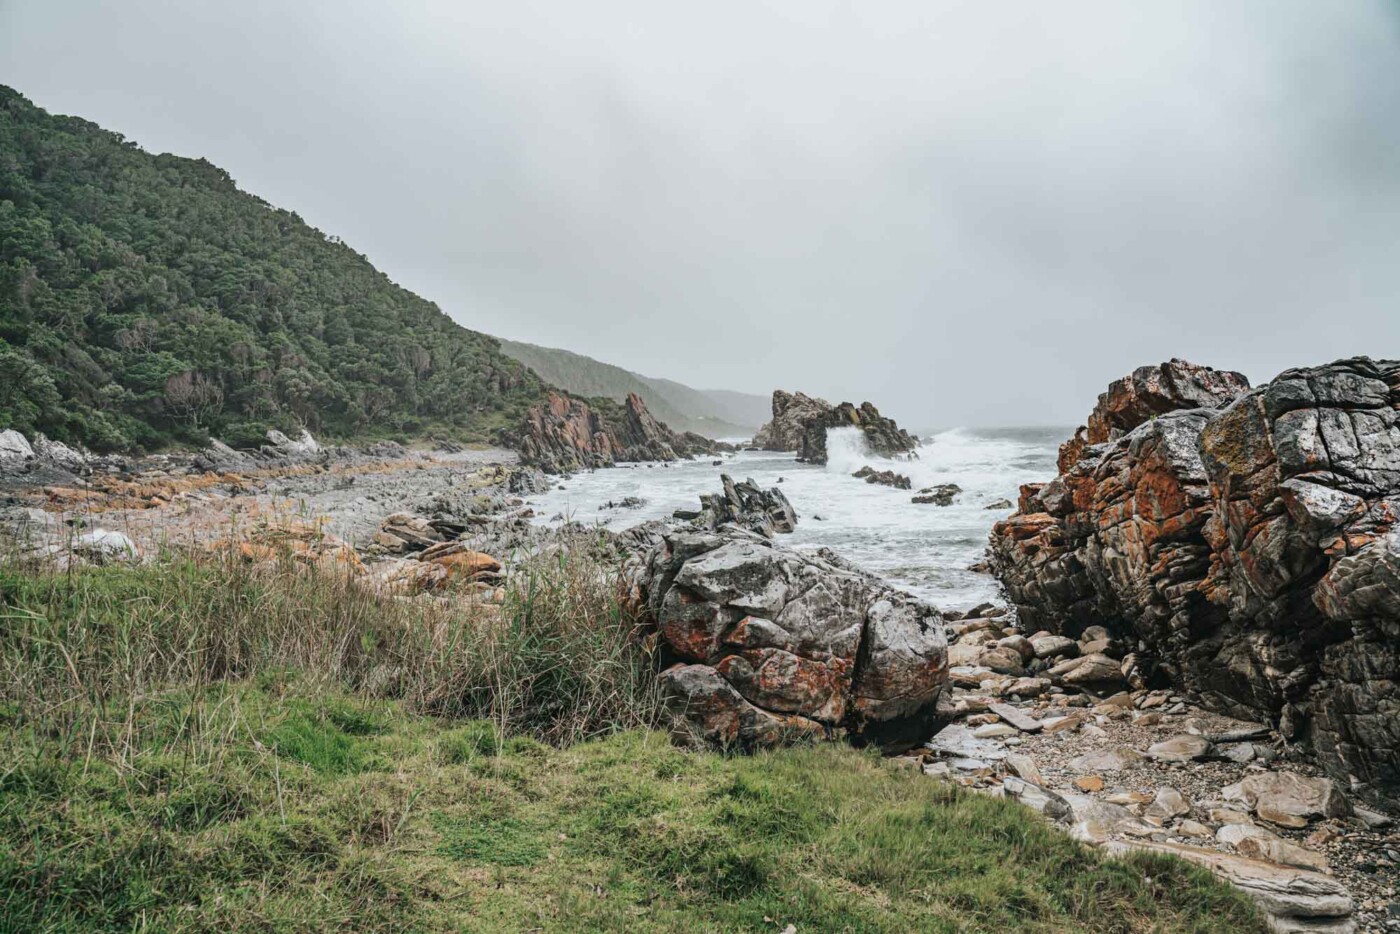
[
  {"x": 800, "y": 423},
  {"x": 791, "y": 412},
  {"x": 565, "y": 433},
  {"x": 883, "y": 438},
  {"x": 763, "y": 643},
  {"x": 1245, "y": 541}
]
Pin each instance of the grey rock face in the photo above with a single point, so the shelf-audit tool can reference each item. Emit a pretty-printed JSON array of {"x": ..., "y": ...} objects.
[
  {"x": 791, "y": 413},
  {"x": 792, "y": 636},
  {"x": 1251, "y": 548},
  {"x": 746, "y": 505}
]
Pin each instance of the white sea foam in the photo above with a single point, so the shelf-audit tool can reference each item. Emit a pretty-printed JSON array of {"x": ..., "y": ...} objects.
[{"x": 925, "y": 549}]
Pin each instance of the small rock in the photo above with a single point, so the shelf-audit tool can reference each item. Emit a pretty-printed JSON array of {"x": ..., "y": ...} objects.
[
  {"x": 994, "y": 731},
  {"x": 1023, "y": 766},
  {"x": 1190, "y": 828},
  {"x": 1051, "y": 646},
  {"x": 1089, "y": 783}
]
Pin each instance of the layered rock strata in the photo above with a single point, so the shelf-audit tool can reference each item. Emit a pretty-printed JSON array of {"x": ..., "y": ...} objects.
[
  {"x": 1243, "y": 540},
  {"x": 762, "y": 644},
  {"x": 565, "y": 433}
]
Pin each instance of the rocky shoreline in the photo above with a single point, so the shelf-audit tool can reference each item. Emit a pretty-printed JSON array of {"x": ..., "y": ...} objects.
[{"x": 1080, "y": 703}]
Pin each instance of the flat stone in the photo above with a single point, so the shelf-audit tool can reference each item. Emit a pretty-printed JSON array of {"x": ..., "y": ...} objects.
[
  {"x": 1039, "y": 799},
  {"x": 1051, "y": 646},
  {"x": 1096, "y": 821},
  {"x": 1017, "y": 718},
  {"x": 1232, "y": 835},
  {"x": 1375, "y": 820},
  {"x": 1094, "y": 669},
  {"x": 1238, "y": 752},
  {"x": 1089, "y": 783},
  {"x": 1060, "y": 724},
  {"x": 1278, "y": 850},
  {"x": 1023, "y": 766},
  {"x": 958, "y": 742},
  {"x": 1190, "y": 828},
  {"x": 1181, "y": 748},
  {"x": 1116, "y": 759},
  {"x": 994, "y": 731},
  {"x": 1024, "y": 687},
  {"x": 1292, "y": 899}
]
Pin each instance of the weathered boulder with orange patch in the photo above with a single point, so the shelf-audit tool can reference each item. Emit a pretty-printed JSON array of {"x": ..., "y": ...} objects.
[
  {"x": 794, "y": 635},
  {"x": 1249, "y": 546}
]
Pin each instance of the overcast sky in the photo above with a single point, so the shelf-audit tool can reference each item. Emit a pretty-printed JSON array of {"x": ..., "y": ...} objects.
[{"x": 969, "y": 213}]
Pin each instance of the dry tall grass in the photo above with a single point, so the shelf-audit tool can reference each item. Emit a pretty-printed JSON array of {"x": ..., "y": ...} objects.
[{"x": 80, "y": 650}]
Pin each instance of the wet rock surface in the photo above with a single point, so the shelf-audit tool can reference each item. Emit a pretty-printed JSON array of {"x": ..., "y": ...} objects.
[
  {"x": 941, "y": 495},
  {"x": 800, "y": 423},
  {"x": 883, "y": 477},
  {"x": 744, "y": 505},
  {"x": 760, "y": 643},
  {"x": 1241, "y": 542},
  {"x": 791, "y": 413}
]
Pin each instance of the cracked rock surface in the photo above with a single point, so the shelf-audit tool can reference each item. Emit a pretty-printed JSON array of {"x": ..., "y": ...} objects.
[
  {"x": 1241, "y": 543},
  {"x": 765, "y": 642}
]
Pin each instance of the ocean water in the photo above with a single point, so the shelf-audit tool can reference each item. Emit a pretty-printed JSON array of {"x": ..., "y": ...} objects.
[{"x": 924, "y": 549}]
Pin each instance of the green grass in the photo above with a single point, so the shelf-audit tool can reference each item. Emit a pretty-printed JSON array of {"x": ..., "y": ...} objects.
[{"x": 299, "y": 795}]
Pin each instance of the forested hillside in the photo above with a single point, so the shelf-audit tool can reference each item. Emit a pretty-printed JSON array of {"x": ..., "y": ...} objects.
[
  {"x": 145, "y": 299},
  {"x": 714, "y": 414}
]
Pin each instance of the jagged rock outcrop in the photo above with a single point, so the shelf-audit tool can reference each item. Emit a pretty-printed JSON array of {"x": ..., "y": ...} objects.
[
  {"x": 1249, "y": 548},
  {"x": 800, "y": 422},
  {"x": 565, "y": 433},
  {"x": 763, "y": 643},
  {"x": 745, "y": 505},
  {"x": 883, "y": 438},
  {"x": 791, "y": 413},
  {"x": 883, "y": 477}
]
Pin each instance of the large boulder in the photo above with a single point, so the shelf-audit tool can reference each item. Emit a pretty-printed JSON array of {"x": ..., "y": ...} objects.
[
  {"x": 762, "y": 642},
  {"x": 791, "y": 412},
  {"x": 14, "y": 446},
  {"x": 565, "y": 433},
  {"x": 1245, "y": 539}
]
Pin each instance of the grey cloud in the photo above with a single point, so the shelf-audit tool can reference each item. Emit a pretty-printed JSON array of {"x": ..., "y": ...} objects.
[{"x": 971, "y": 213}]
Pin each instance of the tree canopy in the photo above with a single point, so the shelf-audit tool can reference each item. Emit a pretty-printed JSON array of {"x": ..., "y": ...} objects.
[{"x": 145, "y": 300}]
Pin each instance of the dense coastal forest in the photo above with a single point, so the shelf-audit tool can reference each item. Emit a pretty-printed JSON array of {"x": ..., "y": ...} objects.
[{"x": 145, "y": 300}]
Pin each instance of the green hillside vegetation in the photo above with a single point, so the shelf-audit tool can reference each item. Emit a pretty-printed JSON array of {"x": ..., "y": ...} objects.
[
  {"x": 145, "y": 300},
  {"x": 713, "y": 413},
  {"x": 194, "y": 746}
]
